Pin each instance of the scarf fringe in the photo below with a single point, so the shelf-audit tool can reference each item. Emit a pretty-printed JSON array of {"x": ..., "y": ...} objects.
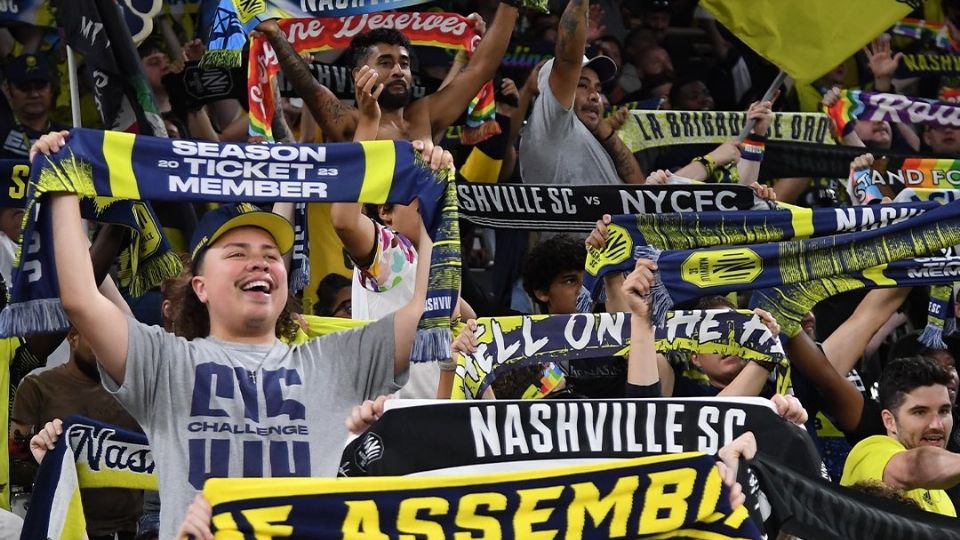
[
  {"x": 431, "y": 344},
  {"x": 76, "y": 177},
  {"x": 949, "y": 326},
  {"x": 661, "y": 302},
  {"x": 300, "y": 278},
  {"x": 584, "y": 302},
  {"x": 932, "y": 337},
  {"x": 476, "y": 134},
  {"x": 153, "y": 271},
  {"x": 227, "y": 58},
  {"x": 33, "y": 316}
]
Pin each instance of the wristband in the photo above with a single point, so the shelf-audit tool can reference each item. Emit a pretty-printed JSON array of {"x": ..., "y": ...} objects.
[
  {"x": 752, "y": 151},
  {"x": 754, "y": 138}
]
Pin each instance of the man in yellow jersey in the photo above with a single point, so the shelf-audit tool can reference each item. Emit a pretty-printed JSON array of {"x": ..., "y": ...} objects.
[{"x": 912, "y": 456}]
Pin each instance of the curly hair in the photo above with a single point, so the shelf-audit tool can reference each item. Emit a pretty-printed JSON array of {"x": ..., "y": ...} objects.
[
  {"x": 714, "y": 302},
  {"x": 327, "y": 291},
  {"x": 191, "y": 320},
  {"x": 549, "y": 259},
  {"x": 360, "y": 45},
  {"x": 903, "y": 375}
]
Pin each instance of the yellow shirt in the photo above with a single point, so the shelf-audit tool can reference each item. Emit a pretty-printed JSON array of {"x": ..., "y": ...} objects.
[
  {"x": 8, "y": 347},
  {"x": 869, "y": 458}
]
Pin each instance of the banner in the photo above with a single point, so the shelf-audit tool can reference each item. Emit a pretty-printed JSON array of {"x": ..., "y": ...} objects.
[
  {"x": 935, "y": 32},
  {"x": 442, "y": 438},
  {"x": 512, "y": 341},
  {"x": 652, "y": 129},
  {"x": 808, "y": 39},
  {"x": 670, "y": 496},
  {"x": 577, "y": 208}
]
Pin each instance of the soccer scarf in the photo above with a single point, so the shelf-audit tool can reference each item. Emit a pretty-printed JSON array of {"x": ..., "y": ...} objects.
[
  {"x": 652, "y": 129},
  {"x": 875, "y": 106},
  {"x": 14, "y": 178},
  {"x": 234, "y": 19},
  {"x": 312, "y": 35},
  {"x": 339, "y": 80},
  {"x": 89, "y": 454},
  {"x": 577, "y": 208},
  {"x": 786, "y": 159},
  {"x": 789, "y": 303},
  {"x": 816, "y": 508},
  {"x": 510, "y": 342},
  {"x": 124, "y": 166},
  {"x": 622, "y": 499},
  {"x": 921, "y": 29},
  {"x": 464, "y": 437},
  {"x": 927, "y": 65},
  {"x": 685, "y": 275},
  {"x": 629, "y": 235}
]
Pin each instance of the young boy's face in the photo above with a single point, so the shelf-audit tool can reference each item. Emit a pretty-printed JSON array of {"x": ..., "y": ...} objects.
[{"x": 561, "y": 296}]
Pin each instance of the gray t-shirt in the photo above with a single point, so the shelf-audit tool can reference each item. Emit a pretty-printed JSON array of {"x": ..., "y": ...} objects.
[
  {"x": 556, "y": 148},
  {"x": 216, "y": 409}
]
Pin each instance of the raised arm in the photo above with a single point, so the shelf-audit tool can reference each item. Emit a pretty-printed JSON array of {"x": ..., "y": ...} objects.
[
  {"x": 571, "y": 43},
  {"x": 628, "y": 168},
  {"x": 643, "y": 378},
  {"x": 100, "y": 322},
  {"x": 843, "y": 401},
  {"x": 337, "y": 120},
  {"x": 447, "y": 104},
  {"x": 846, "y": 344}
]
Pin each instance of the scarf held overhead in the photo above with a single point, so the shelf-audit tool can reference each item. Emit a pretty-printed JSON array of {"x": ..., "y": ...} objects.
[
  {"x": 873, "y": 107},
  {"x": 630, "y": 236},
  {"x": 577, "y": 208},
  {"x": 429, "y": 438},
  {"x": 652, "y": 129},
  {"x": 685, "y": 275},
  {"x": 448, "y": 30},
  {"x": 640, "y": 496},
  {"x": 789, "y": 303},
  {"x": 89, "y": 454},
  {"x": 506, "y": 343},
  {"x": 124, "y": 166}
]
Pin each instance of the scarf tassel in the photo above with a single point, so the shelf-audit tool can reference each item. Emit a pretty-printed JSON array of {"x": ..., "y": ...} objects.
[
  {"x": 24, "y": 318},
  {"x": 227, "y": 58},
  {"x": 431, "y": 344},
  {"x": 153, "y": 271},
  {"x": 932, "y": 336},
  {"x": 301, "y": 277}
]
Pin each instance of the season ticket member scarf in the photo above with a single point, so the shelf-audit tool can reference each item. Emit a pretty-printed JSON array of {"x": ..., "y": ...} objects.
[
  {"x": 652, "y": 129},
  {"x": 874, "y": 106},
  {"x": 89, "y": 454},
  {"x": 129, "y": 167},
  {"x": 789, "y": 303},
  {"x": 630, "y": 236},
  {"x": 684, "y": 275},
  {"x": 639, "y": 497},
  {"x": 506, "y": 343}
]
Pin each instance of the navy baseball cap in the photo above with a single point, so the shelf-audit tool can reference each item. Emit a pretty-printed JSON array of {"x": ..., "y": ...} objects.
[
  {"x": 28, "y": 68},
  {"x": 218, "y": 222}
]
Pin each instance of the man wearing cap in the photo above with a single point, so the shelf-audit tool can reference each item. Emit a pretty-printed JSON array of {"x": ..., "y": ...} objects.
[
  {"x": 235, "y": 401},
  {"x": 566, "y": 140},
  {"x": 28, "y": 88}
]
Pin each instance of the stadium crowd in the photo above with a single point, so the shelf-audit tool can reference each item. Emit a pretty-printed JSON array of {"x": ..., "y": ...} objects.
[{"x": 222, "y": 367}]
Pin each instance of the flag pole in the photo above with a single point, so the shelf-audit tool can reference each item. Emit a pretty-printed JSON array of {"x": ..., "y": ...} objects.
[
  {"x": 774, "y": 86},
  {"x": 74, "y": 88}
]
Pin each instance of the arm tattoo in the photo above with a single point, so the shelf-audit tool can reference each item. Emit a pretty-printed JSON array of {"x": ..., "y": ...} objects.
[
  {"x": 626, "y": 164},
  {"x": 573, "y": 27},
  {"x": 296, "y": 71}
]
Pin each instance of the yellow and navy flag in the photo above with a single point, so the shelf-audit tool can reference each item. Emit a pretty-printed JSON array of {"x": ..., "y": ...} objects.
[{"x": 807, "y": 39}]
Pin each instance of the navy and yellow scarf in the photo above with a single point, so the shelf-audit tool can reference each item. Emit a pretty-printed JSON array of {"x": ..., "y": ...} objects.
[
  {"x": 122, "y": 166},
  {"x": 685, "y": 275}
]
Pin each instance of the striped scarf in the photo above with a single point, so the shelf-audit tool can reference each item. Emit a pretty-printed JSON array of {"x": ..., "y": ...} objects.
[
  {"x": 685, "y": 275},
  {"x": 789, "y": 303},
  {"x": 89, "y": 454},
  {"x": 506, "y": 343},
  {"x": 631, "y": 235},
  {"x": 121, "y": 166}
]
